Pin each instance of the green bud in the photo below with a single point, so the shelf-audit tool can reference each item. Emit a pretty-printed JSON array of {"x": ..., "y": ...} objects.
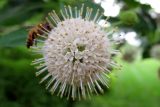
[{"x": 129, "y": 18}]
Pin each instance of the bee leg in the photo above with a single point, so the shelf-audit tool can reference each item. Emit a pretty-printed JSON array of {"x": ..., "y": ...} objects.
[{"x": 35, "y": 42}]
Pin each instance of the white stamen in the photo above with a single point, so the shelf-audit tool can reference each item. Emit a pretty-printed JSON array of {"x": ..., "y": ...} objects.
[
  {"x": 64, "y": 17},
  {"x": 70, "y": 11},
  {"x": 42, "y": 36},
  {"x": 41, "y": 71},
  {"x": 96, "y": 15},
  {"x": 67, "y": 14},
  {"x": 81, "y": 11},
  {"x": 46, "y": 77},
  {"x": 50, "y": 23},
  {"x": 76, "y": 14},
  {"x": 53, "y": 18},
  {"x": 51, "y": 81}
]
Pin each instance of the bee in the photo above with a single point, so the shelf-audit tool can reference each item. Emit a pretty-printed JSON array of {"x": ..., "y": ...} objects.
[{"x": 35, "y": 31}]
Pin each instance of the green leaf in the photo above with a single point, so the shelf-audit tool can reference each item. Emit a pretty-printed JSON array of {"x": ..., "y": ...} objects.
[
  {"x": 18, "y": 14},
  {"x": 129, "y": 17},
  {"x": 14, "y": 38}
]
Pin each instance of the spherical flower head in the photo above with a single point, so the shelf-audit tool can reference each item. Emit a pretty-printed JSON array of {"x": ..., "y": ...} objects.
[{"x": 76, "y": 54}]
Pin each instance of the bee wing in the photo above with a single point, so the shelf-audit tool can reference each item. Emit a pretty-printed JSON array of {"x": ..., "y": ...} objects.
[{"x": 28, "y": 27}]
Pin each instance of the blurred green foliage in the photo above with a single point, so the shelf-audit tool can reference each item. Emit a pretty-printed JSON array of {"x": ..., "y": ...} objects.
[
  {"x": 129, "y": 17},
  {"x": 136, "y": 85}
]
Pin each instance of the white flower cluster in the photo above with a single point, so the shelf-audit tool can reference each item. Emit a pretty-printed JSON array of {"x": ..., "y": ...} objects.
[{"x": 76, "y": 54}]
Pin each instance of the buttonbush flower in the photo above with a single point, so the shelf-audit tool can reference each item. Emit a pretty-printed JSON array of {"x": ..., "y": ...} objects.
[{"x": 76, "y": 53}]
